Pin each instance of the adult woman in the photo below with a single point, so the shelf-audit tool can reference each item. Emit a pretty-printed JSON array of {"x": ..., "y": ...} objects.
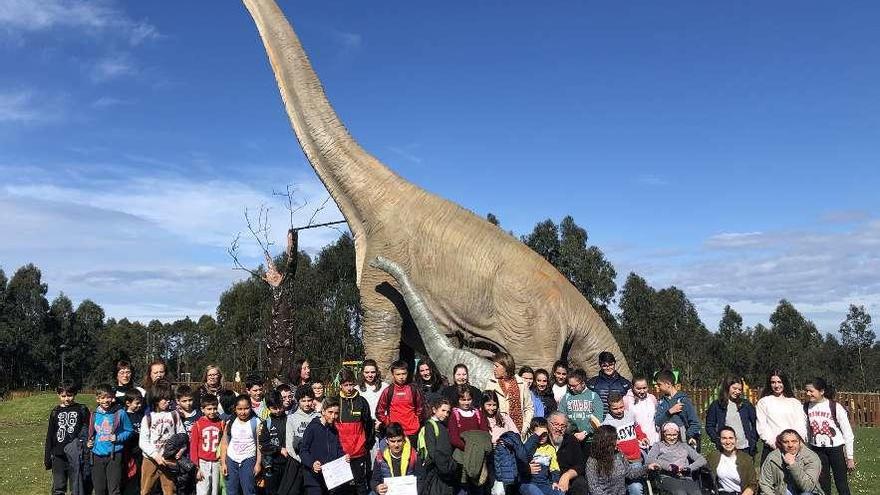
[
  {"x": 300, "y": 374},
  {"x": 607, "y": 469},
  {"x": 155, "y": 372},
  {"x": 544, "y": 392},
  {"x": 677, "y": 462},
  {"x": 790, "y": 469},
  {"x": 460, "y": 376},
  {"x": 428, "y": 380},
  {"x": 829, "y": 435},
  {"x": 734, "y": 411},
  {"x": 778, "y": 410},
  {"x": 731, "y": 468},
  {"x": 212, "y": 384},
  {"x": 513, "y": 396},
  {"x": 123, "y": 381},
  {"x": 528, "y": 376}
]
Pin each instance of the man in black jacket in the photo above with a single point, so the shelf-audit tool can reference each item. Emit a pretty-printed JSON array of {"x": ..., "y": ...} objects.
[
  {"x": 608, "y": 380},
  {"x": 570, "y": 454}
]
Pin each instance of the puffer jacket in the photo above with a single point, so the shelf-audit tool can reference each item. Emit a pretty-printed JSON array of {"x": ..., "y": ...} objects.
[{"x": 508, "y": 458}]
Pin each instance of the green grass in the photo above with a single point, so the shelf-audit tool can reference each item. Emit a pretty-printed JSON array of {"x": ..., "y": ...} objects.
[{"x": 23, "y": 430}]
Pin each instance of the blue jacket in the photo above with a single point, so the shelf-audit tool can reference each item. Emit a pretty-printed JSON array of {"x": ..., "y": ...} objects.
[
  {"x": 320, "y": 442},
  {"x": 716, "y": 418},
  {"x": 687, "y": 419},
  {"x": 104, "y": 428},
  {"x": 509, "y": 457},
  {"x": 603, "y": 385},
  {"x": 539, "y": 406}
]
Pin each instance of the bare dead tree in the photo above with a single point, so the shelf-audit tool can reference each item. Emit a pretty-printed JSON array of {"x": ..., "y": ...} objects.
[{"x": 280, "y": 342}]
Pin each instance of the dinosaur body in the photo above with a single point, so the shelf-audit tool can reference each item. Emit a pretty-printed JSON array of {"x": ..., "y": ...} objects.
[{"x": 480, "y": 284}]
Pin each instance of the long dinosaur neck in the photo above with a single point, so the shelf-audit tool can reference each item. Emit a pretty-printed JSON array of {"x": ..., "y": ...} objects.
[{"x": 351, "y": 175}]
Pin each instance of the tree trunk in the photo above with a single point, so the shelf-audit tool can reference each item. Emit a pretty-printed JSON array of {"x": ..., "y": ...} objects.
[{"x": 281, "y": 335}]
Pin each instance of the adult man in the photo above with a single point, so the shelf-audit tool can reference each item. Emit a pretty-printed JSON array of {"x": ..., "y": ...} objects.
[
  {"x": 570, "y": 454},
  {"x": 608, "y": 380},
  {"x": 582, "y": 406}
]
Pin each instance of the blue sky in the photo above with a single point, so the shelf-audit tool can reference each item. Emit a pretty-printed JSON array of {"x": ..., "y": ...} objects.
[{"x": 729, "y": 149}]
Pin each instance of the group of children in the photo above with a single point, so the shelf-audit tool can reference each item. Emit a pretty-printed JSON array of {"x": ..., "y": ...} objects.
[{"x": 453, "y": 440}]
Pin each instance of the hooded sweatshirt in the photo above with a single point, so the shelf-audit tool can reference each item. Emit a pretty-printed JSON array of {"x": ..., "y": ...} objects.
[
  {"x": 580, "y": 407},
  {"x": 629, "y": 434},
  {"x": 104, "y": 421},
  {"x": 296, "y": 428},
  {"x": 156, "y": 428},
  {"x": 355, "y": 425}
]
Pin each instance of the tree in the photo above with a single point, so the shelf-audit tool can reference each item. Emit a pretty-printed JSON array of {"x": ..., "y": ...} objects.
[
  {"x": 637, "y": 332},
  {"x": 799, "y": 338},
  {"x": 493, "y": 219},
  {"x": 856, "y": 334},
  {"x": 732, "y": 347},
  {"x": 567, "y": 248},
  {"x": 28, "y": 311}
]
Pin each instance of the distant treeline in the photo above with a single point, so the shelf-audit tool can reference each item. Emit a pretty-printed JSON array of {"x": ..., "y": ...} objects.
[{"x": 655, "y": 328}]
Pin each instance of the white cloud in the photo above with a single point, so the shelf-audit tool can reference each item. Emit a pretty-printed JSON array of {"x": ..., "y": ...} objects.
[
  {"x": 652, "y": 180},
  {"x": 28, "y": 107},
  {"x": 90, "y": 16},
  {"x": 112, "y": 67},
  {"x": 149, "y": 246}
]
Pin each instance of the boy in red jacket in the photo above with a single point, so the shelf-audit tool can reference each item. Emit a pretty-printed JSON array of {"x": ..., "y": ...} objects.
[
  {"x": 203, "y": 443},
  {"x": 402, "y": 403},
  {"x": 355, "y": 427}
]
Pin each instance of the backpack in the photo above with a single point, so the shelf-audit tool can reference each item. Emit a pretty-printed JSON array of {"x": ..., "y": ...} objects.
[
  {"x": 422, "y": 446},
  {"x": 386, "y": 406},
  {"x": 92, "y": 430},
  {"x": 832, "y": 405},
  {"x": 254, "y": 422}
]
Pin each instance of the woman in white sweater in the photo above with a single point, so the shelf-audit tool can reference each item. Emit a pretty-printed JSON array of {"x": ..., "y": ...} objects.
[
  {"x": 778, "y": 410},
  {"x": 830, "y": 435}
]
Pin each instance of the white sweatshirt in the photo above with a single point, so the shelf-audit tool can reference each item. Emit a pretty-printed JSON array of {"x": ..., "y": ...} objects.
[
  {"x": 644, "y": 411},
  {"x": 780, "y": 413},
  {"x": 823, "y": 431},
  {"x": 156, "y": 428}
]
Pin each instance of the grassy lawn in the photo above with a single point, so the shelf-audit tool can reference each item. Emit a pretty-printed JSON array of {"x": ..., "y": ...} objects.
[{"x": 23, "y": 429}]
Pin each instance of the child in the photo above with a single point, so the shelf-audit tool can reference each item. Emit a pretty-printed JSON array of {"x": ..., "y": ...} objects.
[
  {"x": 134, "y": 408},
  {"x": 273, "y": 444},
  {"x": 356, "y": 429},
  {"x": 499, "y": 422},
  {"x": 66, "y": 423},
  {"x": 436, "y": 452},
  {"x": 398, "y": 458},
  {"x": 226, "y": 404},
  {"x": 157, "y": 427},
  {"x": 582, "y": 406},
  {"x": 676, "y": 407},
  {"x": 240, "y": 457},
  {"x": 186, "y": 407},
  {"x": 543, "y": 454},
  {"x": 643, "y": 406},
  {"x": 464, "y": 417},
  {"x": 299, "y": 420},
  {"x": 630, "y": 438},
  {"x": 109, "y": 429},
  {"x": 401, "y": 403},
  {"x": 318, "y": 390},
  {"x": 254, "y": 386},
  {"x": 505, "y": 438},
  {"x": 320, "y": 445},
  {"x": 204, "y": 440}
]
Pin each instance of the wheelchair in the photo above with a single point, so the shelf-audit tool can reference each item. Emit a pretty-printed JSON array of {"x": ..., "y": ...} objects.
[{"x": 702, "y": 479}]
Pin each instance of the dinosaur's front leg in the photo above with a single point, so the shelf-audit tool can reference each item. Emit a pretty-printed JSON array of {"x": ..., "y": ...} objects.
[{"x": 382, "y": 324}]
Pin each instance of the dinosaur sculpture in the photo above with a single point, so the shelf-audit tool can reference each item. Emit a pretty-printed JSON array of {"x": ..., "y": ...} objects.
[{"x": 482, "y": 286}]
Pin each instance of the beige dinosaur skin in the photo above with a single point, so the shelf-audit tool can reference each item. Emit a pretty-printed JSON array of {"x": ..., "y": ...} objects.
[{"x": 478, "y": 282}]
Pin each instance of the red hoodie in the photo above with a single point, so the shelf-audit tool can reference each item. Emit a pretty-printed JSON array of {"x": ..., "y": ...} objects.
[
  {"x": 401, "y": 404},
  {"x": 204, "y": 439}
]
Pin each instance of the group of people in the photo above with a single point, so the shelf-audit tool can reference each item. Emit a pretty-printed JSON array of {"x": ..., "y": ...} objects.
[{"x": 530, "y": 432}]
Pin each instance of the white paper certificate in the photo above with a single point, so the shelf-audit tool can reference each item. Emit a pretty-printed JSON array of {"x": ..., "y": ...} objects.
[
  {"x": 336, "y": 473},
  {"x": 401, "y": 485}
]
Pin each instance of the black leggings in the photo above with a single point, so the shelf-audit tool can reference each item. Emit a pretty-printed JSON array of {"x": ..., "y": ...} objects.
[{"x": 833, "y": 459}]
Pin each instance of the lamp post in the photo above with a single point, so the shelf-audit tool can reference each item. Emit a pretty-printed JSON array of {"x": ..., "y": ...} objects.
[{"x": 62, "y": 347}]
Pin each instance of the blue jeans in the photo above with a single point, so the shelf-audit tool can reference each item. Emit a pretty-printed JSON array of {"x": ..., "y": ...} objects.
[
  {"x": 635, "y": 486},
  {"x": 240, "y": 477},
  {"x": 538, "y": 489}
]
